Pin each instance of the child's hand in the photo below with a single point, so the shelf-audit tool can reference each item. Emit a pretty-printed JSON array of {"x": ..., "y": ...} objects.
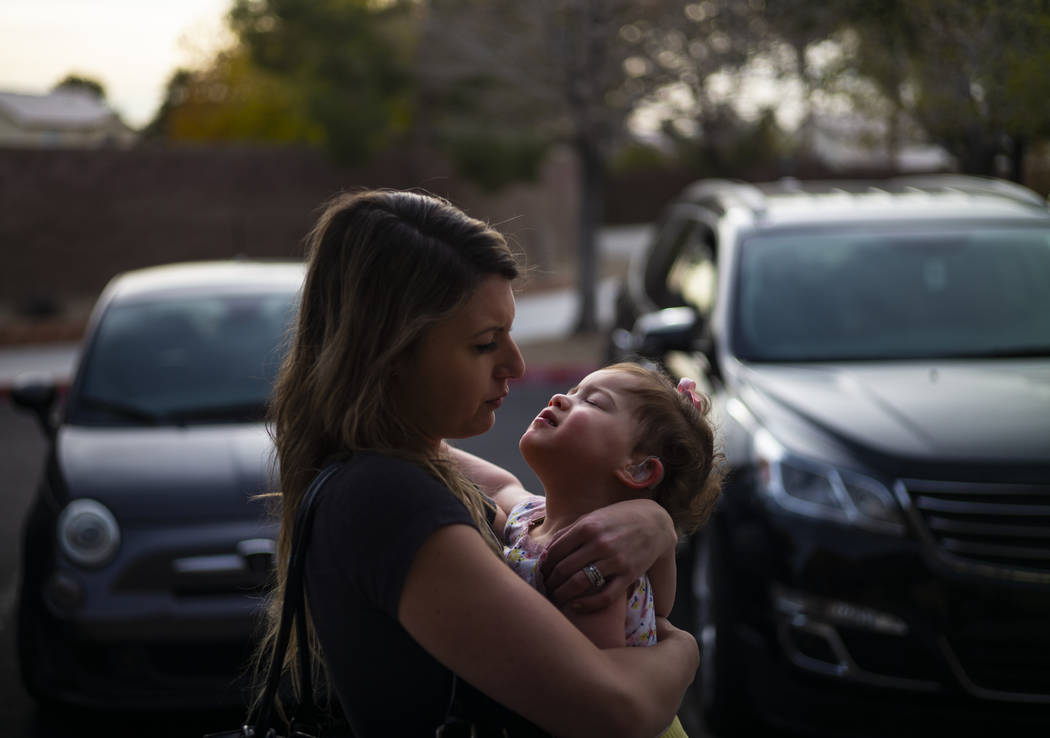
[{"x": 622, "y": 541}]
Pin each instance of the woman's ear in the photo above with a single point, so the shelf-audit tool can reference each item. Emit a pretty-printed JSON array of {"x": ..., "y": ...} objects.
[{"x": 646, "y": 474}]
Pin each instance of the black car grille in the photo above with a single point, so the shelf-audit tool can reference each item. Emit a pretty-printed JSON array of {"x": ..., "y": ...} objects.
[
  {"x": 1014, "y": 661},
  {"x": 891, "y": 655},
  {"x": 998, "y": 529}
]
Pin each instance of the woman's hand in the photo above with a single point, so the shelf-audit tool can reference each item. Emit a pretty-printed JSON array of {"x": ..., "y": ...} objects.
[{"x": 621, "y": 541}]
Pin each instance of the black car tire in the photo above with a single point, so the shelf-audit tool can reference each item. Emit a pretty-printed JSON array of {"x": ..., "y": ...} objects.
[
  {"x": 29, "y": 655},
  {"x": 721, "y": 685}
]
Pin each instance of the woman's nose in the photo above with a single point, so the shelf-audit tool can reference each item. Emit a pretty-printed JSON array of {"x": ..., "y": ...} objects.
[
  {"x": 513, "y": 364},
  {"x": 559, "y": 401}
]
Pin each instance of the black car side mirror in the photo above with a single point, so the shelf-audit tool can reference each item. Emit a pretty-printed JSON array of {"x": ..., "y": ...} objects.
[
  {"x": 654, "y": 334},
  {"x": 36, "y": 394}
]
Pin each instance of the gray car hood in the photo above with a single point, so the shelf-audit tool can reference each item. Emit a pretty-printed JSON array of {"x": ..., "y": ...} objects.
[
  {"x": 168, "y": 473},
  {"x": 986, "y": 410}
]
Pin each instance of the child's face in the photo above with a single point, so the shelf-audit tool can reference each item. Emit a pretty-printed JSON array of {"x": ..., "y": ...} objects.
[{"x": 593, "y": 427}]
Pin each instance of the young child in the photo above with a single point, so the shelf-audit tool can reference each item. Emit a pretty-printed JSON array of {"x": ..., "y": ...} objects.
[{"x": 624, "y": 432}]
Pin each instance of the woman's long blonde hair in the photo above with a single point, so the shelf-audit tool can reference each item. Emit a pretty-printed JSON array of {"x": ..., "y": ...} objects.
[{"x": 383, "y": 266}]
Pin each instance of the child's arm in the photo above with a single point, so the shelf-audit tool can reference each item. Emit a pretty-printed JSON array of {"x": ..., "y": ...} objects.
[
  {"x": 663, "y": 576},
  {"x": 504, "y": 488}
]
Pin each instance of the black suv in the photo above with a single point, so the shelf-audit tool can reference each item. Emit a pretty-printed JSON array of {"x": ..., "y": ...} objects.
[{"x": 879, "y": 357}]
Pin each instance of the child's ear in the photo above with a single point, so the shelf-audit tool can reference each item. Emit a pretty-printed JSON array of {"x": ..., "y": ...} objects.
[{"x": 646, "y": 474}]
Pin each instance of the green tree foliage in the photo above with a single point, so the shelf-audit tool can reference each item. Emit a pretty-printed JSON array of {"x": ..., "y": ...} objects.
[
  {"x": 232, "y": 99},
  {"x": 971, "y": 73},
  {"x": 350, "y": 60},
  {"x": 87, "y": 84},
  {"x": 968, "y": 74},
  {"x": 493, "y": 159},
  {"x": 175, "y": 94},
  {"x": 733, "y": 147}
]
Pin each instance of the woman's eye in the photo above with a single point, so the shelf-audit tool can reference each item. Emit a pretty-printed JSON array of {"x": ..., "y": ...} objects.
[
  {"x": 484, "y": 348},
  {"x": 589, "y": 401}
]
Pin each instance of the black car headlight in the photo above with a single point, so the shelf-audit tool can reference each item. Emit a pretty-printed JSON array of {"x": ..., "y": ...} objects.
[
  {"x": 818, "y": 490},
  {"x": 88, "y": 533}
]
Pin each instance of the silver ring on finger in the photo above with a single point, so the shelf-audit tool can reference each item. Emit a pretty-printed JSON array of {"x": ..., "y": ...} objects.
[{"x": 597, "y": 580}]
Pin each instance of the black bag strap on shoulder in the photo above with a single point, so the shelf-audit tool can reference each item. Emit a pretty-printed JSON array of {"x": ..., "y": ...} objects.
[{"x": 293, "y": 609}]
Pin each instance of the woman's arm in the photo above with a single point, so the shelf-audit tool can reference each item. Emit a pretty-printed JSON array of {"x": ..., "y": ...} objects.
[
  {"x": 464, "y": 606},
  {"x": 604, "y": 628},
  {"x": 623, "y": 541}
]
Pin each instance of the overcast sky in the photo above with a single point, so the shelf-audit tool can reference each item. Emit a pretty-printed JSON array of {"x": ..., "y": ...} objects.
[{"x": 130, "y": 46}]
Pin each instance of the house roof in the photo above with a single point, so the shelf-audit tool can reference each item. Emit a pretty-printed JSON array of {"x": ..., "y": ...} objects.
[{"x": 69, "y": 109}]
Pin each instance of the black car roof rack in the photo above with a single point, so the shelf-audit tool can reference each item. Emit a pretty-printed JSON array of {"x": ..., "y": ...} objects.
[
  {"x": 743, "y": 193},
  {"x": 972, "y": 185},
  {"x": 727, "y": 192}
]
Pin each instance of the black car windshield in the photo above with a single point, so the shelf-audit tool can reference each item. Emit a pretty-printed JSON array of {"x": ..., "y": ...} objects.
[
  {"x": 871, "y": 294},
  {"x": 183, "y": 360}
]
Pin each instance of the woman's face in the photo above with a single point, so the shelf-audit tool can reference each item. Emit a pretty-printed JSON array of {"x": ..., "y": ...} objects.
[{"x": 451, "y": 386}]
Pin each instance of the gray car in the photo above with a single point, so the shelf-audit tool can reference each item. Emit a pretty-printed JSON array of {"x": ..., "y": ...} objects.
[{"x": 146, "y": 550}]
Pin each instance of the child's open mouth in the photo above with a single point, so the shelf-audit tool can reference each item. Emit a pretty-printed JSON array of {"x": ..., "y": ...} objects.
[{"x": 547, "y": 416}]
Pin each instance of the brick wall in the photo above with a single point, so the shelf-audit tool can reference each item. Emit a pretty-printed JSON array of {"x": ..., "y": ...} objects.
[{"x": 71, "y": 219}]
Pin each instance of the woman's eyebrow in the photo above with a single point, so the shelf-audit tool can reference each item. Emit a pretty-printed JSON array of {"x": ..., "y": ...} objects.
[{"x": 490, "y": 329}]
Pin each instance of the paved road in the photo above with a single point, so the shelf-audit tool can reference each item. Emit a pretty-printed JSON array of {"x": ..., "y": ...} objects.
[{"x": 21, "y": 451}]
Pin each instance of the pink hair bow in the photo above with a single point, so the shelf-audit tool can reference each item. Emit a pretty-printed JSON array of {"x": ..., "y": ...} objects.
[{"x": 687, "y": 386}]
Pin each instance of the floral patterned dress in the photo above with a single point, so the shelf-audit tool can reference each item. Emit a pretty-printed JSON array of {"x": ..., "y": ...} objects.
[{"x": 525, "y": 556}]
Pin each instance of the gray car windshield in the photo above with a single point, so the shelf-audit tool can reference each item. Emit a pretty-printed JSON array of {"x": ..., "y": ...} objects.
[
  {"x": 876, "y": 294},
  {"x": 181, "y": 360}
]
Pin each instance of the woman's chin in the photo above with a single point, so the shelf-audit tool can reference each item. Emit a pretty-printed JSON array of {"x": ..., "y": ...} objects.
[
  {"x": 483, "y": 425},
  {"x": 479, "y": 426}
]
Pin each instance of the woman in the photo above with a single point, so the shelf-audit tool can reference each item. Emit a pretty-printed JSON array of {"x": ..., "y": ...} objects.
[{"x": 404, "y": 341}]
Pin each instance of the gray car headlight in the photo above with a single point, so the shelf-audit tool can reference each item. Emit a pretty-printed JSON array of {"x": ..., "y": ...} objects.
[
  {"x": 88, "y": 533},
  {"x": 818, "y": 490}
]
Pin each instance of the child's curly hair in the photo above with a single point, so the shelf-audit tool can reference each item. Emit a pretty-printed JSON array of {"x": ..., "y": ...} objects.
[{"x": 681, "y": 435}]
